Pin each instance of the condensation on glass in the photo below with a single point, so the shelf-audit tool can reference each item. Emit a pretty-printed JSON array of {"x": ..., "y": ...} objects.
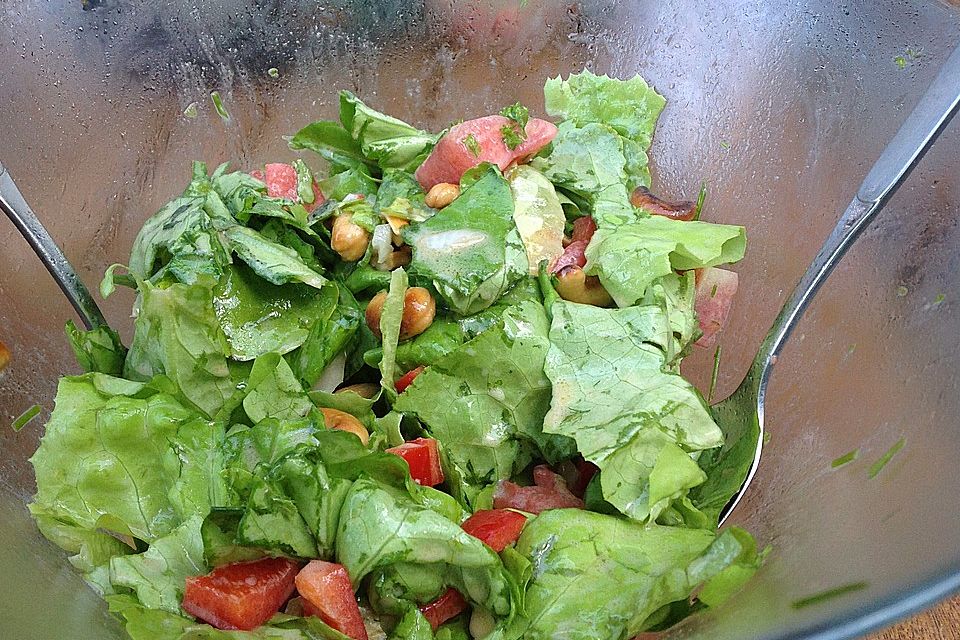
[{"x": 780, "y": 108}]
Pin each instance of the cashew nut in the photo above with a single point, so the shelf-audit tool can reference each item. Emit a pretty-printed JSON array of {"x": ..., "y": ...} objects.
[
  {"x": 348, "y": 239},
  {"x": 398, "y": 258},
  {"x": 644, "y": 199},
  {"x": 419, "y": 308},
  {"x": 575, "y": 286},
  {"x": 343, "y": 421},
  {"x": 440, "y": 195}
]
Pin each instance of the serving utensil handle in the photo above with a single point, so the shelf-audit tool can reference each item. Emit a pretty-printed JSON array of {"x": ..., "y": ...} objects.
[
  {"x": 25, "y": 220},
  {"x": 929, "y": 117},
  {"x": 940, "y": 102}
]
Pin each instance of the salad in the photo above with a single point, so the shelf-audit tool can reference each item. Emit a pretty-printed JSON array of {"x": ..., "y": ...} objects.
[{"x": 433, "y": 392}]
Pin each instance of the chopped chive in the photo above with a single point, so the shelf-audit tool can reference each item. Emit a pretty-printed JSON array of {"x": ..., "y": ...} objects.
[
  {"x": 192, "y": 110},
  {"x": 713, "y": 291},
  {"x": 273, "y": 72},
  {"x": 939, "y": 299},
  {"x": 845, "y": 458},
  {"x": 902, "y": 291},
  {"x": 700, "y": 199},
  {"x": 878, "y": 466},
  {"x": 715, "y": 374},
  {"x": 26, "y": 417},
  {"x": 218, "y": 105},
  {"x": 829, "y": 594},
  {"x": 724, "y": 144}
]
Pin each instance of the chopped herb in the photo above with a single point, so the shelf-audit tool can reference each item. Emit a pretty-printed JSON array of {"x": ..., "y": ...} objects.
[
  {"x": 512, "y": 136},
  {"x": 939, "y": 299},
  {"x": 192, "y": 110},
  {"x": 700, "y": 199},
  {"x": 829, "y": 594},
  {"x": 845, "y": 458},
  {"x": 218, "y": 105},
  {"x": 715, "y": 374},
  {"x": 516, "y": 112},
  {"x": 849, "y": 352},
  {"x": 878, "y": 466},
  {"x": 26, "y": 417},
  {"x": 902, "y": 291},
  {"x": 273, "y": 72},
  {"x": 470, "y": 142},
  {"x": 906, "y": 57},
  {"x": 766, "y": 437},
  {"x": 515, "y": 133},
  {"x": 713, "y": 292},
  {"x": 724, "y": 144}
]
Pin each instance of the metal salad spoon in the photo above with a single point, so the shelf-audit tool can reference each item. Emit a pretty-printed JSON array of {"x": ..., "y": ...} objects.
[{"x": 741, "y": 416}]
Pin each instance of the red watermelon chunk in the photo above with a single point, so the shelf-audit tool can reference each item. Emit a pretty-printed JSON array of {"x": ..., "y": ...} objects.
[
  {"x": 480, "y": 140},
  {"x": 549, "y": 492},
  {"x": 281, "y": 181},
  {"x": 715, "y": 291}
]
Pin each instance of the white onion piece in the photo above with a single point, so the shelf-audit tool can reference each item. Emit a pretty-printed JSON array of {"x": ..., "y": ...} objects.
[{"x": 382, "y": 244}]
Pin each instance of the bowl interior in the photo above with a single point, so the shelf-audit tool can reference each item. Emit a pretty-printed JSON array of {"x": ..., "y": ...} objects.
[{"x": 779, "y": 109}]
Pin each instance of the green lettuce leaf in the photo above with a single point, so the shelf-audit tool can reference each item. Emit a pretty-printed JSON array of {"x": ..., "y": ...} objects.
[
  {"x": 630, "y": 107},
  {"x": 273, "y": 522},
  {"x": 592, "y": 571},
  {"x": 389, "y": 142},
  {"x": 331, "y": 334},
  {"x": 345, "y": 183},
  {"x": 177, "y": 335},
  {"x": 144, "y": 623},
  {"x": 182, "y": 240},
  {"x": 629, "y": 414},
  {"x": 273, "y": 262},
  {"x": 333, "y": 143},
  {"x": 390, "y": 318},
  {"x": 485, "y": 402},
  {"x": 158, "y": 574},
  {"x": 273, "y": 391},
  {"x": 109, "y": 458},
  {"x": 630, "y": 257},
  {"x": 398, "y": 530},
  {"x": 98, "y": 349},
  {"x": 471, "y": 251},
  {"x": 588, "y": 163},
  {"x": 412, "y": 626},
  {"x": 257, "y": 317},
  {"x": 537, "y": 214},
  {"x": 92, "y": 549}
]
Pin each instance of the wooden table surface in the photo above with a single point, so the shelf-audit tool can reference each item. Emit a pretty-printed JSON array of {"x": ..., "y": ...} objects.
[{"x": 940, "y": 623}]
